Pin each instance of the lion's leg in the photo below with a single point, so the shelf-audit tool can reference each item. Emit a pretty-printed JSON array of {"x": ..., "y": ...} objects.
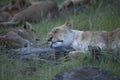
[
  {"x": 74, "y": 54},
  {"x": 95, "y": 51}
]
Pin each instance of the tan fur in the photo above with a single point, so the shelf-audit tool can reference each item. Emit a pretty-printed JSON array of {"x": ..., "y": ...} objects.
[
  {"x": 65, "y": 36},
  {"x": 16, "y": 6},
  {"x": 35, "y": 12},
  {"x": 17, "y": 38},
  {"x": 33, "y": 2},
  {"x": 5, "y": 16},
  {"x": 74, "y": 3}
]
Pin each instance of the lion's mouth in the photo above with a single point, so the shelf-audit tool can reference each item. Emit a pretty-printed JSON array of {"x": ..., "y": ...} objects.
[
  {"x": 51, "y": 40},
  {"x": 55, "y": 44},
  {"x": 59, "y": 41}
]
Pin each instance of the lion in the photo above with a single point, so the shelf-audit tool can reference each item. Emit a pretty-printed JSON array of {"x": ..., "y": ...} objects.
[
  {"x": 18, "y": 38},
  {"x": 5, "y": 16},
  {"x": 83, "y": 41},
  {"x": 35, "y": 13},
  {"x": 76, "y": 4},
  {"x": 16, "y": 6}
]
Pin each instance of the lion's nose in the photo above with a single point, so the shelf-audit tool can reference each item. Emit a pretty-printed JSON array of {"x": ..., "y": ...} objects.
[
  {"x": 37, "y": 39},
  {"x": 50, "y": 39}
]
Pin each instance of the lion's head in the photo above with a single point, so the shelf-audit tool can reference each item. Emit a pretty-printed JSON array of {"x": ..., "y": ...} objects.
[
  {"x": 28, "y": 33},
  {"x": 61, "y": 36},
  {"x": 17, "y": 38}
]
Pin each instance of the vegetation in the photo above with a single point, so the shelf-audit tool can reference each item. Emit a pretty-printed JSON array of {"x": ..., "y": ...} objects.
[{"x": 103, "y": 16}]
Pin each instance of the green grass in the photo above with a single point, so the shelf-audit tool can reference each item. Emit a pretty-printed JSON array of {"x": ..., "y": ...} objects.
[
  {"x": 14, "y": 69},
  {"x": 102, "y": 17}
]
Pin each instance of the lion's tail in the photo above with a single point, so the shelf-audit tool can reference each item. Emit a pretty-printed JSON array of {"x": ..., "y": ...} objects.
[{"x": 8, "y": 24}]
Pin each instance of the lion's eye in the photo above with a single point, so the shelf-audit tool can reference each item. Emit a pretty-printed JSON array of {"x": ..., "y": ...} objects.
[{"x": 50, "y": 39}]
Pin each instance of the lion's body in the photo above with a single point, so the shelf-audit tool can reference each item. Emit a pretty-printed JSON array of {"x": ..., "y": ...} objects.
[
  {"x": 17, "y": 38},
  {"x": 75, "y": 4},
  {"x": 64, "y": 36},
  {"x": 5, "y": 16},
  {"x": 16, "y": 6},
  {"x": 36, "y": 12}
]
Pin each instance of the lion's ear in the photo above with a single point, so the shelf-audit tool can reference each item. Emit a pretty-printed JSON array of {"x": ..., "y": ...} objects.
[
  {"x": 69, "y": 24},
  {"x": 27, "y": 26}
]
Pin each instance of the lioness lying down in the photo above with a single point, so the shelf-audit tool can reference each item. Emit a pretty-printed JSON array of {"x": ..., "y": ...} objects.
[
  {"x": 17, "y": 38},
  {"x": 74, "y": 4},
  {"x": 35, "y": 12},
  {"x": 16, "y": 6},
  {"x": 65, "y": 36}
]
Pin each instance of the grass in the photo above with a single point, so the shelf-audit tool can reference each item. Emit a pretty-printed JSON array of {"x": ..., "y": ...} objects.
[{"x": 102, "y": 17}]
